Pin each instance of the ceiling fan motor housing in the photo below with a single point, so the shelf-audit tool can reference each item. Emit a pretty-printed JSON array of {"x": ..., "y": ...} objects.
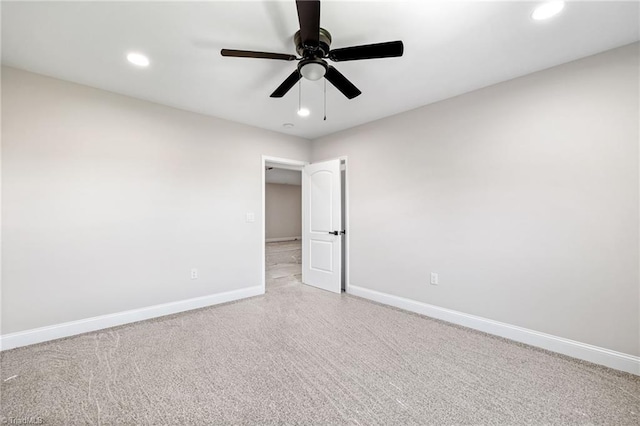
[{"x": 309, "y": 52}]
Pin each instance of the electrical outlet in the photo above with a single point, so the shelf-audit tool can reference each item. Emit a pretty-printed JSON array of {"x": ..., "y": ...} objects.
[
  {"x": 434, "y": 278},
  {"x": 251, "y": 217},
  {"x": 194, "y": 274}
]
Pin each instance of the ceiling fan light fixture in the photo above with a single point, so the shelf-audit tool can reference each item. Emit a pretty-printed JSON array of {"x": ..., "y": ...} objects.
[
  {"x": 313, "y": 69},
  {"x": 547, "y": 10},
  {"x": 313, "y": 45}
]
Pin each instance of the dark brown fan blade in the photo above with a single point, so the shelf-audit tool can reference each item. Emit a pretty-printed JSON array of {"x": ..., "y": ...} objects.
[
  {"x": 262, "y": 55},
  {"x": 287, "y": 84},
  {"x": 342, "y": 84},
  {"x": 309, "y": 19},
  {"x": 388, "y": 49}
]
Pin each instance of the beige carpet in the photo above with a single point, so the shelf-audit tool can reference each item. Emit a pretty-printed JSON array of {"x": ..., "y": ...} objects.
[{"x": 304, "y": 356}]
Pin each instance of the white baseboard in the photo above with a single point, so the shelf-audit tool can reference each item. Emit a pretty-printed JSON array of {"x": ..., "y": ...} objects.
[
  {"x": 595, "y": 354},
  {"x": 277, "y": 240},
  {"x": 72, "y": 328}
]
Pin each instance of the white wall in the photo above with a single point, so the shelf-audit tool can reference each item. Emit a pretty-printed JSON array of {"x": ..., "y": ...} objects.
[
  {"x": 523, "y": 196},
  {"x": 109, "y": 201},
  {"x": 283, "y": 210}
]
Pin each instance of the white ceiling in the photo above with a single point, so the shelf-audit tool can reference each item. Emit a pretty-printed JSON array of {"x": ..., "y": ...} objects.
[
  {"x": 450, "y": 48},
  {"x": 283, "y": 176}
]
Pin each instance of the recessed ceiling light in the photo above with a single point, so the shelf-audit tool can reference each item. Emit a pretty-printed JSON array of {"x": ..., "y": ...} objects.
[
  {"x": 303, "y": 112},
  {"x": 287, "y": 125},
  {"x": 138, "y": 59},
  {"x": 547, "y": 10}
]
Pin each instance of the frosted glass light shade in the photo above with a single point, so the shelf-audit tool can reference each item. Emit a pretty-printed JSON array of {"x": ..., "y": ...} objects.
[{"x": 313, "y": 71}]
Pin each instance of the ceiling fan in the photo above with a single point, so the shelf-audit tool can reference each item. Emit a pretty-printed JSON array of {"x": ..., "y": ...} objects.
[{"x": 313, "y": 45}]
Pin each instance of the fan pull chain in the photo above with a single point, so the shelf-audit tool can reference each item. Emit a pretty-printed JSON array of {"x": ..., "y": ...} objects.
[
  {"x": 299, "y": 95},
  {"x": 325, "y": 99}
]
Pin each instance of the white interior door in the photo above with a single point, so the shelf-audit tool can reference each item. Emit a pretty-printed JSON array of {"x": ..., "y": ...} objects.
[{"x": 322, "y": 226}]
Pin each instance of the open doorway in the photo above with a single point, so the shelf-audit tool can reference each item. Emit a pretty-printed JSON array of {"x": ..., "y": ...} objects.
[
  {"x": 317, "y": 246},
  {"x": 283, "y": 225}
]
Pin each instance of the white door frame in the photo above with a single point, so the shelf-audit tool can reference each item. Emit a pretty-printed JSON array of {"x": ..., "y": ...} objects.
[
  {"x": 299, "y": 165},
  {"x": 345, "y": 225}
]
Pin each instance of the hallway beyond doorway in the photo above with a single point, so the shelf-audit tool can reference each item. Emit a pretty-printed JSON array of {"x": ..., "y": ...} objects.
[{"x": 283, "y": 263}]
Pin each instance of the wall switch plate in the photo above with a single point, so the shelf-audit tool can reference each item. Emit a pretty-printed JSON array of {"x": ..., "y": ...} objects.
[
  {"x": 434, "y": 278},
  {"x": 194, "y": 274},
  {"x": 251, "y": 217}
]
